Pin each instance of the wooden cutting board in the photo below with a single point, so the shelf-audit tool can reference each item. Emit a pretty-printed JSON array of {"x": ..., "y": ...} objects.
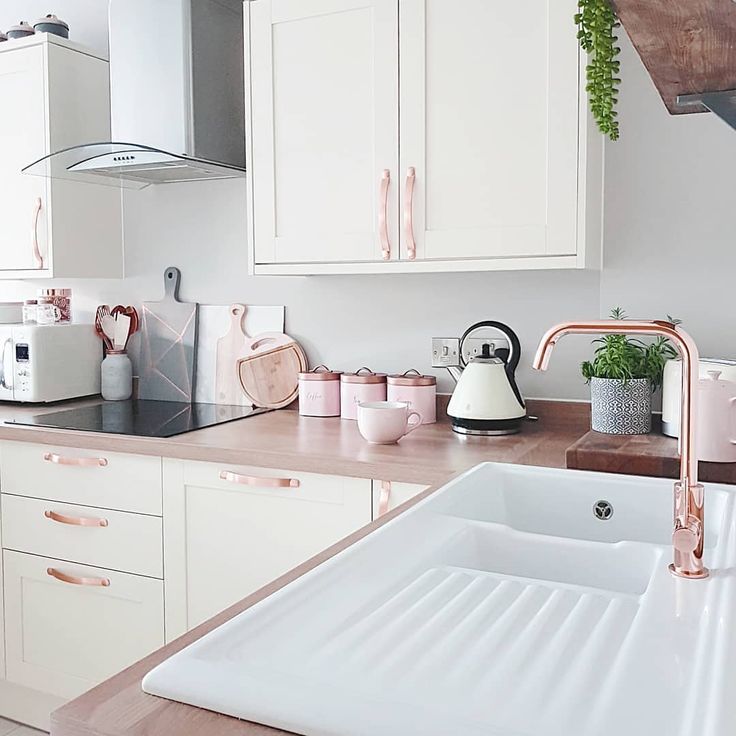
[
  {"x": 269, "y": 377},
  {"x": 168, "y": 345},
  {"x": 231, "y": 347}
]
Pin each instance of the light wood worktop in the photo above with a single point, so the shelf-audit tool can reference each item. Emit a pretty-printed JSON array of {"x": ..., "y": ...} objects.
[{"x": 285, "y": 440}]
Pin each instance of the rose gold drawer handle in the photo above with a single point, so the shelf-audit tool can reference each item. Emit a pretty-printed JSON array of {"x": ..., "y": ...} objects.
[
  {"x": 254, "y": 480},
  {"x": 75, "y": 520},
  {"x": 411, "y": 246},
  {"x": 383, "y": 215},
  {"x": 385, "y": 497},
  {"x": 74, "y": 580},
  {"x": 87, "y": 462}
]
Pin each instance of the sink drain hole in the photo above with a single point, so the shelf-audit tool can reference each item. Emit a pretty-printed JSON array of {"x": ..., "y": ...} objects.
[{"x": 602, "y": 510}]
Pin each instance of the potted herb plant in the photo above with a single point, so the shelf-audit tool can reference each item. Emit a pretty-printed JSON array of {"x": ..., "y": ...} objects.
[{"x": 622, "y": 376}]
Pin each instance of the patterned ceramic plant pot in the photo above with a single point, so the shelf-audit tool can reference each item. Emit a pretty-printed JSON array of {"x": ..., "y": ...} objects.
[{"x": 621, "y": 408}]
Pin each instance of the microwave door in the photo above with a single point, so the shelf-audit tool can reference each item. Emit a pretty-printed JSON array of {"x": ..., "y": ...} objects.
[{"x": 6, "y": 366}]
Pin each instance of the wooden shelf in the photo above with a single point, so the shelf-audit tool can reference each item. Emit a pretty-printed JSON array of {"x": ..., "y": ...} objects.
[{"x": 687, "y": 46}]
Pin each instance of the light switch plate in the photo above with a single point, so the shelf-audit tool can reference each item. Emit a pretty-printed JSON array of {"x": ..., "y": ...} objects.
[{"x": 445, "y": 352}]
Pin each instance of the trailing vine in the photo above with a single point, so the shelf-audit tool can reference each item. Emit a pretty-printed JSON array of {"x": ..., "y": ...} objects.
[{"x": 596, "y": 22}]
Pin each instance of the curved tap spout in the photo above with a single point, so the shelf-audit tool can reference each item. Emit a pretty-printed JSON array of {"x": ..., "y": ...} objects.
[{"x": 687, "y": 537}]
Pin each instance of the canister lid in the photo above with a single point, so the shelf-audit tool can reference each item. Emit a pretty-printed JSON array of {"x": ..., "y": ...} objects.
[
  {"x": 412, "y": 377},
  {"x": 320, "y": 373},
  {"x": 22, "y": 27},
  {"x": 51, "y": 19},
  {"x": 364, "y": 375}
]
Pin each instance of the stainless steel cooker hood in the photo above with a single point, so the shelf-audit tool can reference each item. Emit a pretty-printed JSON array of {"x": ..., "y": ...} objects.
[{"x": 176, "y": 93}]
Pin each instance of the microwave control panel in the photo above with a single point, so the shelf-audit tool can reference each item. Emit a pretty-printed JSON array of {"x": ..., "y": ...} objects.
[{"x": 22, "y": 368}]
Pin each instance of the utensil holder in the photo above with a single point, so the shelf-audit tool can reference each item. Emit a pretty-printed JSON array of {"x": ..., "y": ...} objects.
[{"x": 117, "y": 376}]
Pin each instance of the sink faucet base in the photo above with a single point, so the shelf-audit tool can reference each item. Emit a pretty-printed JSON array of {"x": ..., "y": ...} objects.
[{"x": 680, "y": 573}]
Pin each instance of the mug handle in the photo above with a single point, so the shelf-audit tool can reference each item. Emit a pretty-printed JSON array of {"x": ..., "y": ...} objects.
[
  {"x": 412, "y": 426},
  {"x": 732, "y": 402}
]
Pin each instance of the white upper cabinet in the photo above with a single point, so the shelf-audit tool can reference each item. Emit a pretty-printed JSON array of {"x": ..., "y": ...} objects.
[
  {"x": 55, "y": 95},
  {"x": 324, "y": 87},
  {"x": 485, "y": 102}
]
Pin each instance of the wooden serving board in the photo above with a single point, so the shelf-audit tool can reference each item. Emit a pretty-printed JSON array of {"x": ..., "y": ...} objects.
[
  {"x": 168, "y": 345},
  {"x": 231, "y": 347},
  {"x": 269, "y": 377}
]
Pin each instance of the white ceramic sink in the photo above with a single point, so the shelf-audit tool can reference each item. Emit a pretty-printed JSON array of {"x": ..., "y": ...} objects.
[{"x": 502, "y": 606}]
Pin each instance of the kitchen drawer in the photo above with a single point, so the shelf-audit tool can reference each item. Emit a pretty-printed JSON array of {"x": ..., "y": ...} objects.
[
  {"x": 113, "y": 539},
  {"x": 63, "y": 638},
  {"x": 266, "y": 483},
  {"x": 108, "y": 480}
]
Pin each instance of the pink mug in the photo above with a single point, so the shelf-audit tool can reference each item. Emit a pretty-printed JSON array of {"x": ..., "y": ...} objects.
[{"x": 386, "y": 422}]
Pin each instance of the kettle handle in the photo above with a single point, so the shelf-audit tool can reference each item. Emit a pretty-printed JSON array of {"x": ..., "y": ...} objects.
[{"x": 514, "y": 344}]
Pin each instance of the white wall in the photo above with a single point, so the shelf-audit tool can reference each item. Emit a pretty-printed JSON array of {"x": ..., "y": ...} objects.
[{"x": 667, "y": 207}]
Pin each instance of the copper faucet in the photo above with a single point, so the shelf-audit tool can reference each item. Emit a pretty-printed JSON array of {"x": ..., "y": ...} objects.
[{"x": 687, "y": 535}]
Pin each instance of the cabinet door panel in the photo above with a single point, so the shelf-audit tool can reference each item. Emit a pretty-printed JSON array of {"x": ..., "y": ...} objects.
[
  {"x": 324, "y": 126},
  {"x": 22, "y": 141},
  {"x": 224, "y": 539},
  {"x": 489, "y": 119}
]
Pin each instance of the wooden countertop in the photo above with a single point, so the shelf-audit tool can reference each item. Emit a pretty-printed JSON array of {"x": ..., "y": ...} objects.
[
  {"x": 285, "y": 440},
  {"x": 647, "y": 454},
  {"x": 431, "y": 455}
]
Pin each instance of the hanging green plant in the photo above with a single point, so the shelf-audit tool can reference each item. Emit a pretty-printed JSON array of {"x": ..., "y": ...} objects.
[{"x": 597, "y": 23}]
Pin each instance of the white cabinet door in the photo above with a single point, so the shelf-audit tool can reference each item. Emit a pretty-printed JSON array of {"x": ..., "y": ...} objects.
[
  {"x": 388, "y": 494},
  {"x": 64, "y": 633},
  {"x": 489, "y": 121},
  {"x": 23, "y": 199},
  {"x": 323, "y": 125},
  {"x": 225, "y": 537}
]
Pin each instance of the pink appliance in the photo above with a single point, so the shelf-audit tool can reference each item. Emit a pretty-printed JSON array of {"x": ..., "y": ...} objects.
[{"x": 716, "y": 419}]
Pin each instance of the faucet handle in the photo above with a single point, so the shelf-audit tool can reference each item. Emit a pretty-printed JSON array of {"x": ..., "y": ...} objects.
[{"x": 687, "y": 538}]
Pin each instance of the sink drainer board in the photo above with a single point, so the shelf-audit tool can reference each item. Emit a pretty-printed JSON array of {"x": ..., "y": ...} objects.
[{"x": 473, "y": 613}]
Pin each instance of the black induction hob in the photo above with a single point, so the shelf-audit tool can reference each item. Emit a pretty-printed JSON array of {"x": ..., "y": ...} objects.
[{"x": 142, "y": 418}]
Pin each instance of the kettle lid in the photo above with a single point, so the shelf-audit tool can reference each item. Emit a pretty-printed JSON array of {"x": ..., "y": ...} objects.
[{"x": 486, "y": 356}]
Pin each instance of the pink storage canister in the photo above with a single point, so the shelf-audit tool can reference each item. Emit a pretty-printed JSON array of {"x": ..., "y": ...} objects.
[
  {"x": 419, "y": 391},
  {"x": 319, "y": 392},
  {"x": 355, "y": 388}
]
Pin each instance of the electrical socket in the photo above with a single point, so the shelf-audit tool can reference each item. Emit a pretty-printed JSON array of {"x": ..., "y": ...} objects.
[{"x": 473, "y": 346}]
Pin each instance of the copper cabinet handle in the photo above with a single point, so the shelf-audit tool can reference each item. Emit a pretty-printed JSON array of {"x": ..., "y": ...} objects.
[
  {"x": 385, "y": 497},
  {"x": 75, "y": 580},
  {"x": 87, "y": 462},
  {"x": 411, "y": 246},
  {"x": 75, "y": 520},
  {"x": 37, "y": 206},
  {"x": 254, "y": 480},
  {"x": 383, "y": 215}
]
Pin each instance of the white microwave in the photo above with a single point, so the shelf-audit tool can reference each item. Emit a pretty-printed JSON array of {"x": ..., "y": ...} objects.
[{"x": 42, "y": 363}]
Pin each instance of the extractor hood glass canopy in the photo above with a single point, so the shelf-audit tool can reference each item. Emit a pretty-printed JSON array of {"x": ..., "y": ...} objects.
[{"x": 128, "y": 165}]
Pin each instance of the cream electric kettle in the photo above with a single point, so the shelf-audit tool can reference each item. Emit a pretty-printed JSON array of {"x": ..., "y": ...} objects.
[{"x": 486, "y": 400}]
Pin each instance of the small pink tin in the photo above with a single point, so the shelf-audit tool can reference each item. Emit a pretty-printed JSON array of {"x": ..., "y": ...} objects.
[
  {"x": 319, "y": 392},
  {"x": 416, "y": 390},
  {"x": 355, "y": 388}
]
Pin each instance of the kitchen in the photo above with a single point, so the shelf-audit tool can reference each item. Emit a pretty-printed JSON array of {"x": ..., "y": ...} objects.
[{"x": 665, "y": 203}]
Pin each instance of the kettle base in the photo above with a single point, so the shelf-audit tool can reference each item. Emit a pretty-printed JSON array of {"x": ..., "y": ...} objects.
[{"x": 486, "y": 427}]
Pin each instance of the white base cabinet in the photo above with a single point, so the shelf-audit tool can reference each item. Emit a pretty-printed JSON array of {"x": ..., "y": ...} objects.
[
  {"x": 55, "y": 95},
  {"x": 107, "y": 556},
  {"x": 229, "y": 530}
]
